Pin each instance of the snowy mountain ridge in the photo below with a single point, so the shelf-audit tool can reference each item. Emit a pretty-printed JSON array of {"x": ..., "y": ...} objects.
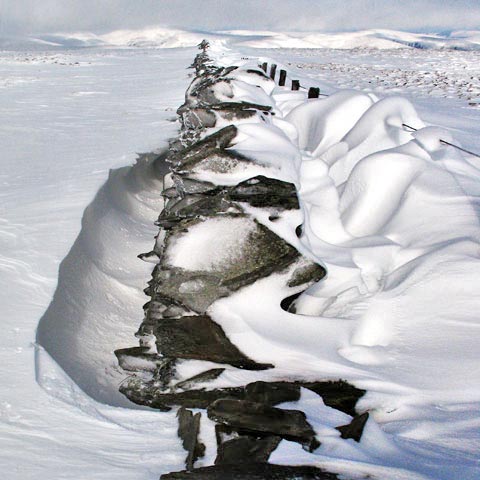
[{"x": 163, "y": 37}]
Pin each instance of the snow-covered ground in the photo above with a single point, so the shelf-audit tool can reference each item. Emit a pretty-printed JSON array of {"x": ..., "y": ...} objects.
[
  {"x": 63, "y": 126},
  {"x": 71, "y": 115},
  {"x": 445, "y": 73}
]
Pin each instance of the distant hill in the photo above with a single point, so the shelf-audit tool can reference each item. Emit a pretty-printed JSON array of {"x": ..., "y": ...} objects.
[{"x": 161, "y": 37}]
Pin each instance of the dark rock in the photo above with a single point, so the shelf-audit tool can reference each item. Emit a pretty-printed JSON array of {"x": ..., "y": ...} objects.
[
  {"x": 246, "y": 449},
  {"x": 188, "y": 430},
  {"x": 160, "y": 306},
  {"x": 272, "y": 393},
  {"x": 206, "y": 116},
  {"x": 200, "y": 338},
  {"x": 149, "y": 394},
  {"x": 212, "y": 144},
  {"x": 165, "y": 373},
  {"x": 258, "y": 72},
  {"x": 355, "y": 428},
  {"x": 170, "y": 192},
  {"x": 149, "y": 257},
  {"x": 187, "y": 384},
  {"x": 253, "y": 471},
  {"x": 224, "y": 433},
  {"x": 194, "y": 290},
  {"x": 258, "y": 253},
  {"x": 136, "y": 359},
  {"x": 340, "y": 394},
  {"x": 221, "y": 161},
  {"x": 195, "y": 118},
  {"x": 245, "y": 106},
  {"x": 261, "y": 191},
  {"x": 307, "y": 273},
  {"x": 193, "y": 206},
  {"x": 254, "y": 417},
  {"x": 188, "y": 186}
]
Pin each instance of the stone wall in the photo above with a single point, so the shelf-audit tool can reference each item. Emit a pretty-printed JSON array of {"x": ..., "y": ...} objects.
[{"x": 209, "y": 247}]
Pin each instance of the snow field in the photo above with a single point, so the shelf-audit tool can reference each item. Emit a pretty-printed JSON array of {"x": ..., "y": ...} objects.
[
  {"x": 437, "y": 73},
  {"x": 57, "y": 148},
  {"x": 392, "y": 215}
]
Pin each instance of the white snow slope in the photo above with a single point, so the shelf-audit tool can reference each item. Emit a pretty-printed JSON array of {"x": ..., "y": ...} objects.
[{"x": 393, "y": 216}]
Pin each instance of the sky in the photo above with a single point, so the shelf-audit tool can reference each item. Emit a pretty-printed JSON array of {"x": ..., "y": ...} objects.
[{"x": 99, "y": 16}]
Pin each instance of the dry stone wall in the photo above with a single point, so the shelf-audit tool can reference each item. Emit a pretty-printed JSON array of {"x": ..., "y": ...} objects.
[{"x": 208, "y": 247}]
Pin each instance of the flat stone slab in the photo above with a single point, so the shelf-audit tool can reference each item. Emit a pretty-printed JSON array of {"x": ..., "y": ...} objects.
[
  {"x": 198, "y": 337},
  {"x": 340, "y": 395},
  {"x": 253, "y": 471},
  {"x": 150, "y": 395},
  {"x": 255, "y": 417},
  {"x": 272, "y": 393}
]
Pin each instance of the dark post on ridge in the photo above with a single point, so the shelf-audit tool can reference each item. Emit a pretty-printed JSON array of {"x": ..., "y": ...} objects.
[
  {"x": 313, "y": 92},
  {"x": 273, "y": 70},
  {"x": 283, "y": 78},
  {"x": 295, "y": 84}
]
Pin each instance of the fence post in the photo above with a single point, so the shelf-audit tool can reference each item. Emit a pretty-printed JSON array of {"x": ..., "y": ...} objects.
[
  {"x": 313, "y": 92},
  {"x": 264, "y": 66},
  {"x": 273, "y": 70},
  {"x": 283, "y": 78},
  {"x": 295, "y": 84}
]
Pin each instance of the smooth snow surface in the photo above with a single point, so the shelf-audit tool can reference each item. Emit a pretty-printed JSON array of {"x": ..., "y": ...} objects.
[{"x": 392, "y": 215}]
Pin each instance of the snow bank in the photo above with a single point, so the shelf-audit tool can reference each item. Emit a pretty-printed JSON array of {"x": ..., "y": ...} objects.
[{"x": 101, "y": 281}]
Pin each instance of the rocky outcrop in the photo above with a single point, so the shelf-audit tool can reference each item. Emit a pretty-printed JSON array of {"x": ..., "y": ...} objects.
[{"x": 209, "y": 247}]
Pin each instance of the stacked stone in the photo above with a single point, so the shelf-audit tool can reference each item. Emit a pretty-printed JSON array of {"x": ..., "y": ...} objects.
[{"x": 185, "y": 283}]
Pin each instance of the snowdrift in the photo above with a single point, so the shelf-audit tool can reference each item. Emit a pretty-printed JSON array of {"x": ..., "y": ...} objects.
[{"x": 101, "y": 282}]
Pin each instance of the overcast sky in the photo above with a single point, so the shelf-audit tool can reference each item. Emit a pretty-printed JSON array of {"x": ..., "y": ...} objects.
[{"x": 38, "y": 16}]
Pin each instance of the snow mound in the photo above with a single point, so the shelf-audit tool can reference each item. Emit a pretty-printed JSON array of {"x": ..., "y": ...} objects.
[{"x": 97, "y": 304}]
